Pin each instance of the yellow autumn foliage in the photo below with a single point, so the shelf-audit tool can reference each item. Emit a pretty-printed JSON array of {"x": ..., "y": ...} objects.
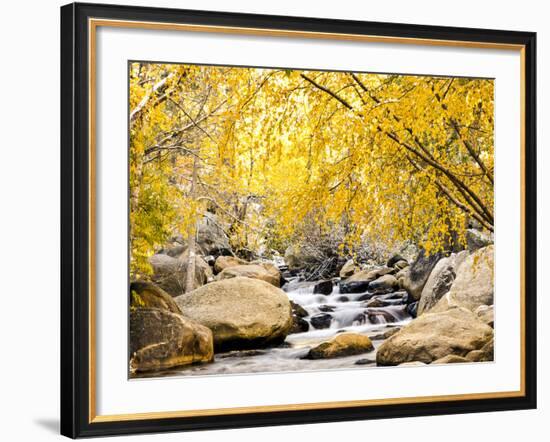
[{"x": 393, "y": 157}]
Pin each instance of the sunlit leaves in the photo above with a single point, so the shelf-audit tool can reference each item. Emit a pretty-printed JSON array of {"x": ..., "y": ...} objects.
[{"x": 276, "y": 152}]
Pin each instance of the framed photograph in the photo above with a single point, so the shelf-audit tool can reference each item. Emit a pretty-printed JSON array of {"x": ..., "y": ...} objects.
[{"x": 274, "y": 220}]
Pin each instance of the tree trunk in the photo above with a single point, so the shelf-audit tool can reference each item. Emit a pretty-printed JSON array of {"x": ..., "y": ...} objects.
[{"x": 191, "y": 235}]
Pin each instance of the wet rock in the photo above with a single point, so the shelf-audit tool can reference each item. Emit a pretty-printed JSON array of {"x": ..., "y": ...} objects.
[
  {"x": 412, "y": 309},
  {"x": 321, "y": 320},
  {"x": 327, "y": 308},
  {"x": 384, "y": 284},
  {"x": 434, "y": 335},
  {"x": 379, "y": 316},
  {"x": 323, "y": 287},
  {"x": 377, "y": 302},
  {"x": 299, "y": 325},
  {"x": 342, "y": 299},
  {"x": 160, "y": 339},
  {"x": 241, "y": 312},
  {"x": 344, "y": 344},
  {"x": 147, "y": 294},
  {"x": 354, "y": 286},
  {"x": 298, "y": 310}
]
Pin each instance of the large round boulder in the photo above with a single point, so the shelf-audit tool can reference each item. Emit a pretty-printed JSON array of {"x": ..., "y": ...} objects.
[
  {"x": 170, "y": 273},
  {"x": 241, "y": 312},
  {"x": 268, "y": 273},
  {"x": 440, "y": 280},
  {"x": 147, "y": 294},
  {"x": 160, "y": 339},
  {"x": 474, "y": 282},
  {"x": 433, "y": 336},
  {"x": 343, "y": 344},
  {"x": 413, "y": 278}
]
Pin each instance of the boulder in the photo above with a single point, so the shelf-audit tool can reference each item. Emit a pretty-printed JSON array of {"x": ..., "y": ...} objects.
[
  {"x": 298, "y": 310},
  {"x": 484, "y": 354},
  {"x": 433, "y": 336},
  {"x": 473, "y": 285},
  {"x": 354, "y": 286},
  {"x": 211, "y": 238},
  {"x": 173, "y": 250},
  {"x": 224, "y": 262},
  {"x": 299, "y": 324},
  {"x": 486, "y": 314},
  {"x": 268, "y": 273},
  {"x": 451, "y": 359},
  {"x": 323, "y": 287},
  {"x": 160, "y": 339},
  {"x": 321, "y": 320},
  {"x": 476, "y": 239},
  {"x": 377, "y": 303},
  {"x": 360, "y": 281},
  {"x": 440, "y": 280},
  {"x": 343, "y": 344},
  {"x": 147, "y": 294},
  {"x": 413, "y": 278},
  {"x": 384, "y": 284},
  {"x": 170, "y": 274},
  {"x": 241, "y": 312},
  {"x": 348, "y": 269}
]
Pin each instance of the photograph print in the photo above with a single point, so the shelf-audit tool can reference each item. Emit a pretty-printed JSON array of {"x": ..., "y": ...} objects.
[{"x": 286, "y": 220}]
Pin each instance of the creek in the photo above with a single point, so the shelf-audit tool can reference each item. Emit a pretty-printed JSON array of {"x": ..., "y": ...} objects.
[{"x": 326, "y": 316}]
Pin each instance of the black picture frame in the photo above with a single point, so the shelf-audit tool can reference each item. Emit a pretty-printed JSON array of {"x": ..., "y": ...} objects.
[{"x": 75, "y": 221}]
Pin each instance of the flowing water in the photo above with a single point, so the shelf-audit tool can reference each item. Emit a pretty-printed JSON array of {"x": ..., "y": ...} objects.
[{"x": 348, "y": 313}]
